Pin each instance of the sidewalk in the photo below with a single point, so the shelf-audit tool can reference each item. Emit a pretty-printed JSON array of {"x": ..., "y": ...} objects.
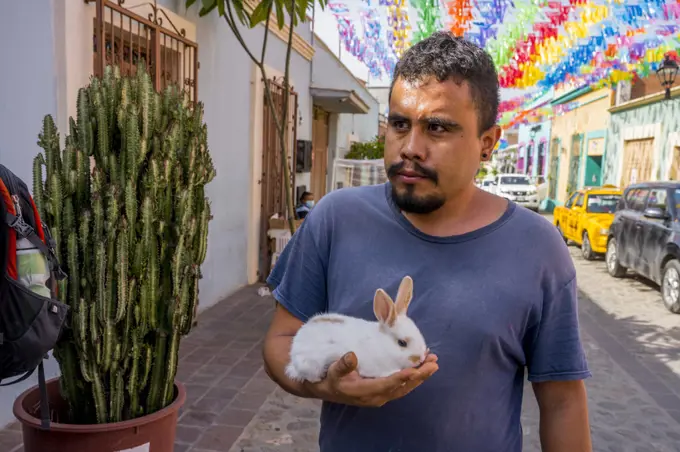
[{"x": 232, "y": 406}]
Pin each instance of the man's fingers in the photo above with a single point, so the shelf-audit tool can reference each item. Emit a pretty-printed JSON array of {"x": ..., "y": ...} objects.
[
  {"x": 425, "y": 371},
  {"x": 415, "y": 380},
  {"x": 370, "y": 387},
  {"x": 343, "y": 366},
  {"x": 431, "y": 358},
  {"x": 401, "y": 391}
]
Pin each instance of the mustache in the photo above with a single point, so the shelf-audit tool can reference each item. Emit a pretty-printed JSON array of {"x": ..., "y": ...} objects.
[{"x": 423, "y": 171}]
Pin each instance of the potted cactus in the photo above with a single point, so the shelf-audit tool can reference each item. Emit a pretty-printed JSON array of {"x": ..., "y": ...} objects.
[{"x": 125, "y": 201}]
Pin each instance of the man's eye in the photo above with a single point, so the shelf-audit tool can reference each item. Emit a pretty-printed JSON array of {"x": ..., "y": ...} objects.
[
  {"x": 437, "y": 128},
  {"x": 400, "y": 125}
]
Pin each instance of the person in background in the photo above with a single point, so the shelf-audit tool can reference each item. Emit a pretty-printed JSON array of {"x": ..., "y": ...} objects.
[{"x": 305, "y": 206}]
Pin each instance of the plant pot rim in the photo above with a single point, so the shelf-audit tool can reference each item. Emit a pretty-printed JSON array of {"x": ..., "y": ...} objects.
[{"x": 27, "y": 419}]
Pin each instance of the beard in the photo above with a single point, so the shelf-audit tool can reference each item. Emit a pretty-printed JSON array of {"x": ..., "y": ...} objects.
[{"x": 408, "y": 201}]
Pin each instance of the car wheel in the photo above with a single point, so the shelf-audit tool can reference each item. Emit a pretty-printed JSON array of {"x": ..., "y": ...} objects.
[
  {"x": 613, "y": 266},
  {"x": 670, "y": 286},
  {"x": 559, "y": 229},
  {"x": 586, "y": 248}
]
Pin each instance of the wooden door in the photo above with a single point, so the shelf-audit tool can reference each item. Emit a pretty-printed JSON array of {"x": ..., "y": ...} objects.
[
  {"x": 637, "y": 161},
  {"x": 319, "y": 153},
  {"x": 272, "y": 181},
  {"x": 675, "y": 164}
]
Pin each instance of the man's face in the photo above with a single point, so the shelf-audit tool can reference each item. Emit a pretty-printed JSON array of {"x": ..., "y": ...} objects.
[{"x": 433, "y": 147}]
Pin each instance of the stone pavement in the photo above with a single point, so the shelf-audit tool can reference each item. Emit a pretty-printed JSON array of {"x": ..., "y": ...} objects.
[{"x": 631, "y": 343}]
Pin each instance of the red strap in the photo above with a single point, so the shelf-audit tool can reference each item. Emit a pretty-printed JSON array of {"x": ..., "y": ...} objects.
[
  {"x": 38, "y": 222},
  {"x": 12, "y": 242}
]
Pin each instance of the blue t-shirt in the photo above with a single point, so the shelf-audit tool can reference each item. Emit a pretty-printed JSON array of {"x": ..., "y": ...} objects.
[{"x": 490, "y": 303}]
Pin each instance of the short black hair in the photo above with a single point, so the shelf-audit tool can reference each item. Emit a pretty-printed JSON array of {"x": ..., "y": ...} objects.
[
  {"x": 304, "y": 195},
  {"x": 445, "y": 56}
]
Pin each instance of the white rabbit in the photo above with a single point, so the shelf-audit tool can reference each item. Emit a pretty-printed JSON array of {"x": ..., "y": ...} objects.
[{"x": 382, "y": 348}]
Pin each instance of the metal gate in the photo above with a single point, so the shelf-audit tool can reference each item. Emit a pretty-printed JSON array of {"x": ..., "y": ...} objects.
[
  {"x": 272, "y": 178},
  {"x": 129, "y": 39}
]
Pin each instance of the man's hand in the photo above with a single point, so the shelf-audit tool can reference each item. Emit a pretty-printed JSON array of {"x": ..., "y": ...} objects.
[{"x": 344, "y": 385}]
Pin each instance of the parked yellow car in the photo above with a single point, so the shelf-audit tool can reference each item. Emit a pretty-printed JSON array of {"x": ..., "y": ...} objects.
[{"x": 586, "y": 216}]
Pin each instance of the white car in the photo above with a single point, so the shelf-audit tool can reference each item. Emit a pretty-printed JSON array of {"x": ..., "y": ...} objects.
[
  {"x": 519, "y": 189},
  {"x": 488, "y": 185},
  {"x": 542, "y": 188}
]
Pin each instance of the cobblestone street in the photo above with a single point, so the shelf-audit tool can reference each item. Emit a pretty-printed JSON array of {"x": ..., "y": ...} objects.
[{"x": 632, "y": 343}]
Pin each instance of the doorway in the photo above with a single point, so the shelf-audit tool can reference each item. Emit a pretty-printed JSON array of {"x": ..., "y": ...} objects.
[
  {"x": 675, "y": 164},
  {"x": 273, "y": 184},
  {"x": 637, "y": 161},
  {"x": 574, "y": 160},
  {"x": 593, "y": 177},
  {"x": 319, "y": 153}
]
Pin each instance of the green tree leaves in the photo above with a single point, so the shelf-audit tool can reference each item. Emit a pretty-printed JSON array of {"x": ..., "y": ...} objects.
[{"x": 251, "y": 17}]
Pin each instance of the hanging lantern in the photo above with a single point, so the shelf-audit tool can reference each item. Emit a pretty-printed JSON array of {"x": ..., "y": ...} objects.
[{"x": 667, "y": 72}]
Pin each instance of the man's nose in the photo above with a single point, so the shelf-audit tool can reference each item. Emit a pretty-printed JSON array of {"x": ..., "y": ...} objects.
[{"x": 414, "y": 146}]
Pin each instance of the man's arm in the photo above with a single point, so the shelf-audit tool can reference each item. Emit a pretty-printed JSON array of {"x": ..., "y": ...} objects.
[
  {"x": 342, "y": 384},
  {"x": 564, "y": 425},
  {"x": 276, "y": 352},
  {"x": 557, "y": 366}
]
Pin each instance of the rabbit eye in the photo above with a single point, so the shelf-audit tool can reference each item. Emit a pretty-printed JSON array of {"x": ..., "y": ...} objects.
[{"x": 402, "y": 343}]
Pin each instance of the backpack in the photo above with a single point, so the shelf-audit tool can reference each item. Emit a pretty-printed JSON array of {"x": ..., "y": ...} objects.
[{"x": 31, "y": 318}]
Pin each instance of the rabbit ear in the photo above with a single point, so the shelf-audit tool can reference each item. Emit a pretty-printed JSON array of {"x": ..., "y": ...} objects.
[
  {"x": 383, "y": 307},
  {"x": 404, "y": 295}
]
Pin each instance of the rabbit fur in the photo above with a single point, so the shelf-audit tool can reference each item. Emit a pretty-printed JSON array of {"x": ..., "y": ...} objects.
[{"x": 391, "y": 344}]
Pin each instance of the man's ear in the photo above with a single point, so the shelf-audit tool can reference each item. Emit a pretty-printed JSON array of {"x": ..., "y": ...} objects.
[{"x": 489, "y": 139}]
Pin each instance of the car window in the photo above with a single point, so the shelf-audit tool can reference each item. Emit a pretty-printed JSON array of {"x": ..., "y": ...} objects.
[
  {"x": 515, "y": 180},
  {"x": 658, "y": 197},
  {"x": 638, "y": 200},
  {"x": 677, "y": 202},
  {"x": 602, "y": 203},
  {"x": 570, "y": 201},
  {"x": 579, "y": 201}
]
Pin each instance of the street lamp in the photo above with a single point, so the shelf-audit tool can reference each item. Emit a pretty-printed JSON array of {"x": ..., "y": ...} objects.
[{"x": 666, "y": 73}]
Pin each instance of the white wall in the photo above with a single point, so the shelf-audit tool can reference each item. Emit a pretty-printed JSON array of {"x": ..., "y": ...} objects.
[
  {"x": 329, "y": 72},
  {"x": 27, "y": 93},
  {"x": 382, "y": 94},
  {"x": 226, "y": 81}
]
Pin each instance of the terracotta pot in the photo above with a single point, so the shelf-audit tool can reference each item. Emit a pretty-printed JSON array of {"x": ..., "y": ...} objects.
[{"x": 152, "y": 433}]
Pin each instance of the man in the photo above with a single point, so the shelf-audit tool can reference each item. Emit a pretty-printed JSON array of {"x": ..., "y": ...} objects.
[
  {"x": 305, "y": 206},
  {"x": 494, "y": 285}
]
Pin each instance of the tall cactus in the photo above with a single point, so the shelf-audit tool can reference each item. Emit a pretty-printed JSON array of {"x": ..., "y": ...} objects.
[{"x": 125, "y": 202}]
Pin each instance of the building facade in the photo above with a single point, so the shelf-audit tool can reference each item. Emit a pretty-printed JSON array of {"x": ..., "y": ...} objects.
[
  {"x": 532, "y": 152},
  {"x": 578, "y": 140},
  {"x": 204, "y": 56},
  {"x": 644, "y": 140}
]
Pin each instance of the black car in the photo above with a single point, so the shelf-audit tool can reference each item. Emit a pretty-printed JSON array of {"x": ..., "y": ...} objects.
[{"x": 645, "y": 237}]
